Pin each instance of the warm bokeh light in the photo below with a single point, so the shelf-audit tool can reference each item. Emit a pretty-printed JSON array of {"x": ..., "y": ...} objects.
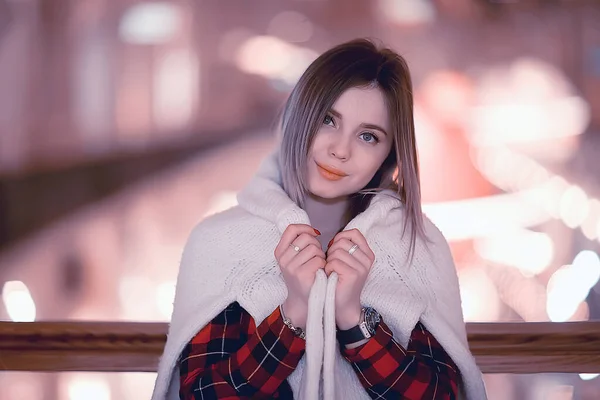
[
  {"x": 18, "y": 302},
  {"x": 150, "y": 23},
  {"x": 518, "y": 102},
  {"x": 221, "y": 201},
  {"x": 480, "y": 300},
  {"x": 176, "y": 85},
  {"x": 274, "y": 58},
  {"x": 82, "y": 387},
  {"x": 484, "y": 216},
  {"x": 570, "y": 285},
  {"x": 574, "y": 206},
  {"x": 589, "y": 227},
  {"x": 165, "y": 295},
  {"x": 407, "y": 12},
  {"x": 530, "y": 252},
  {"x": 588, "y": 377}
]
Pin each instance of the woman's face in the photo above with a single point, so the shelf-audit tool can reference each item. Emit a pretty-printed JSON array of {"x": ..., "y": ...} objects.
[{"x": 351, "y": 144}]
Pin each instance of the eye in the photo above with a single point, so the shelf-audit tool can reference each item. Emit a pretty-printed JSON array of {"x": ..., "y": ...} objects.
[
  {"x": 369, "y": 137},
  {"x": 328, "y": 120}
]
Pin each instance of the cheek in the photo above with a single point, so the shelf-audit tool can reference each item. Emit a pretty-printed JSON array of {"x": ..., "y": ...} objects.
[
  {"x": 371, "y": 164},
  {"x": 318, "y": 143},
  {"x": 369, "y": 172}
]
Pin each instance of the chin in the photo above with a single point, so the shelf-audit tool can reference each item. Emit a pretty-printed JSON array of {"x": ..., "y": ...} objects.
[{"x": 326, "y": 193}]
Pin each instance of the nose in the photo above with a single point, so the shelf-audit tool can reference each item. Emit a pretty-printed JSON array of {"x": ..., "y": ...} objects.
[{"x": 339, "y": 148}]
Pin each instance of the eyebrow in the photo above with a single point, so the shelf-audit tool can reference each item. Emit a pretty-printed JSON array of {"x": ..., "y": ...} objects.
[{"x": 363, "y": 125}]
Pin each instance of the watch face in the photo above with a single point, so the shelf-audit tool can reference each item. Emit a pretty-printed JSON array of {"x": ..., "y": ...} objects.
[{"x": 372, "y": 319}]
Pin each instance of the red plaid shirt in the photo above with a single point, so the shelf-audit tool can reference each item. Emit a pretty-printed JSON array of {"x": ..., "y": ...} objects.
[{"x": 231, "y": 358}]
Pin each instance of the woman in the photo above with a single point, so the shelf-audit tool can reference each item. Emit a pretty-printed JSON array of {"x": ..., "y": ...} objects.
[{"x": 326, "y": 281}]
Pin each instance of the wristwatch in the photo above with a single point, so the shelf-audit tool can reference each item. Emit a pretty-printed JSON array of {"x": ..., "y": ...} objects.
[{"x": 367, "y": 325}]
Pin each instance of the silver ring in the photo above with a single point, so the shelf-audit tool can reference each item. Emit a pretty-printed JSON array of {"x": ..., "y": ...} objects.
[
  {"x": 352, "y": 249},
  {"x": 296, "y": 248}
]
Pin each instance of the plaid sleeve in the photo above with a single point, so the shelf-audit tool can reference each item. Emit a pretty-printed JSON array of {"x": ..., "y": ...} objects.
[
  {"x": 388, "y": 371},
  {"x": 231, "y": 358}
]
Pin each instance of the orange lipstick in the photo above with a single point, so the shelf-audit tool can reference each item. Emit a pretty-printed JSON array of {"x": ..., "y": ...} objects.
[{"x": 330, "y": 173}]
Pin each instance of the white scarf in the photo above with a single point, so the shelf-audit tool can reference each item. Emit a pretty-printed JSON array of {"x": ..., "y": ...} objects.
[{"x": 229, "y": 257}]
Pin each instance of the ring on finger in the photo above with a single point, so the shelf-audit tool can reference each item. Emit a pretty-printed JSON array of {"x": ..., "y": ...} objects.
[
  {"x": 296, "y": 248},
  {"x": 353, "y": 249}
]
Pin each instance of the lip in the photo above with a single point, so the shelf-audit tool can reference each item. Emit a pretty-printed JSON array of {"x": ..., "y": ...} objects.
[{"x": 330, "y": 173}]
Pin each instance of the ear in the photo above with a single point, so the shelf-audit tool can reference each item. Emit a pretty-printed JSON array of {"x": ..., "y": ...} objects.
[{"x": 396, "y": 174}]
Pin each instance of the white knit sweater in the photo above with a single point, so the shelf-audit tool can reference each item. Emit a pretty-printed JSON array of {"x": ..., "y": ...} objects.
[{"x": 229, "y": 257}]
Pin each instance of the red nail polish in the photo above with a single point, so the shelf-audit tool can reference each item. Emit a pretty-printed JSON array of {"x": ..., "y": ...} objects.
[
  {"x": 317, "y": 231},
  {"x": 330, "y": 243}
]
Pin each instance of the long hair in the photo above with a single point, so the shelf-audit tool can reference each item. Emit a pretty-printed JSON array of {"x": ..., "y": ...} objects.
[{"x": 358, "y": 63}]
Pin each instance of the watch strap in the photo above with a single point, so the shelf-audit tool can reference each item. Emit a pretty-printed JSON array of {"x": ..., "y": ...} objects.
[{"x": 356, "y": 333}]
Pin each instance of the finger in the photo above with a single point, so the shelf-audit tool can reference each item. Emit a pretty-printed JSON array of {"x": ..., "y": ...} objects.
[
  {"x": 354, "y": 235},
  {"x": 291, "y": 233},
  {"x": 341, "y": 243},
  {"x": 345, "y": 245},
  {"x": 305, "y": 255},
  {"x": 340, "y": 267},
  {"x": 330, "y": 266},
  {"x": 303, "y": 241},
  {"x": 307, "y": 272},
  {"x": 313, "y": 265},
  {"x": 349, "y": 260}
]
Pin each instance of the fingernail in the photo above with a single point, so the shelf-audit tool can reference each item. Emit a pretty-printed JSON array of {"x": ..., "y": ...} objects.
[
  {"x": 317, "y": 231},
  {"x": 330, "y": 243}
]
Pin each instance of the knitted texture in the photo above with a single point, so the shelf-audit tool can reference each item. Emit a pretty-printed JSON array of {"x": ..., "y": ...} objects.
[{"x": 230, "y": 257}]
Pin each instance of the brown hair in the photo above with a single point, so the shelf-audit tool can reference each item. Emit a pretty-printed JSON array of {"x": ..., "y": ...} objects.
[{"x": 358, "y": 63}]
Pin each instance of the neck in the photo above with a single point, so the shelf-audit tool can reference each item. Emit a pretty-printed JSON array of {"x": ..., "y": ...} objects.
[{"x": 326, "y": 215}]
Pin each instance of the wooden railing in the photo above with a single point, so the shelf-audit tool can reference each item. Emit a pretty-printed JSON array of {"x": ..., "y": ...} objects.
[{"x": 136, "y": 347}]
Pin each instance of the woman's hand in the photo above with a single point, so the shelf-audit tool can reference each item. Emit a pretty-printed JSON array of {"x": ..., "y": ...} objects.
[
  {"x": 352, "y": 270},
  {"x": 299, "y": 255}
]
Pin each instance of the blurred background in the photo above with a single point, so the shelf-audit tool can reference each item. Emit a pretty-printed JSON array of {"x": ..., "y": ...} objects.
[{"x": 124, "y": 123}]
